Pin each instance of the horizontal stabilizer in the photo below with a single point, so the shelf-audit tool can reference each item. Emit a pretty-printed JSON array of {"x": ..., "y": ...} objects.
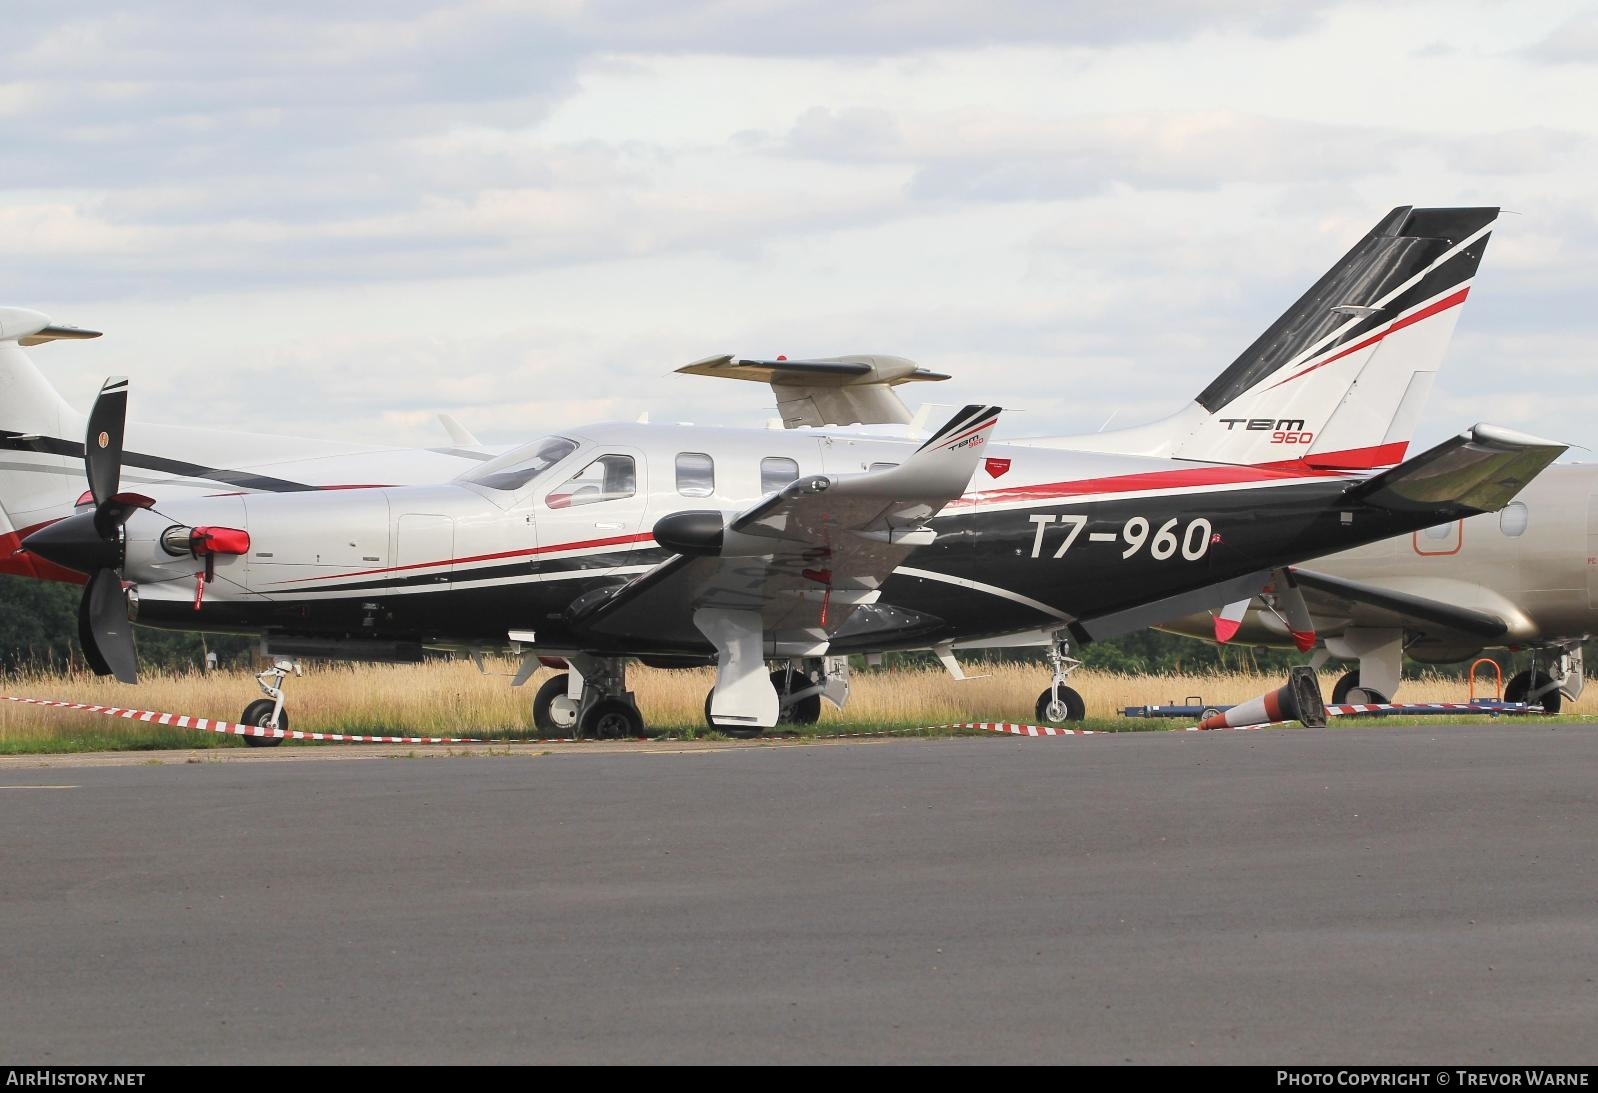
[
  {"x": 1482, "y": 468},
  {"x": 851, "y": 390},
  {"x": 25, "y": 327}
]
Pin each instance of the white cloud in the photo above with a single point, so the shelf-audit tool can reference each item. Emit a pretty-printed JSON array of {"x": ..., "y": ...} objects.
[{"x": 529, "y": 214}]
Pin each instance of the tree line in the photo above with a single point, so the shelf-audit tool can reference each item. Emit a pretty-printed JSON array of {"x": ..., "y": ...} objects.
[{"x": 39, "y": 631}]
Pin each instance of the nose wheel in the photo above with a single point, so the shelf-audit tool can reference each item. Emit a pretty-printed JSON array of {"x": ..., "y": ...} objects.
[
  {"x": 259, "y": 713},
  {"x": 1060, "y": 703},
  {"x": 268, "y": 712}
]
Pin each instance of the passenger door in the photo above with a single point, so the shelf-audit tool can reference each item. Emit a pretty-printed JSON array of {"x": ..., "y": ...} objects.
[{"x": 593, "y": 521}]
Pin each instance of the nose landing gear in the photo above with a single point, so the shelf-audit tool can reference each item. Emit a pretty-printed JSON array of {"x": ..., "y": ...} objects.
[
  {"x": 268, "y": 712},
  {"x": 1060, "y": 703}
]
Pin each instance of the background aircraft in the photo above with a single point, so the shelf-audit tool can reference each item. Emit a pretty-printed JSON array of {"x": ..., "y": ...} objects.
[{"x": 1526, "y": 576}]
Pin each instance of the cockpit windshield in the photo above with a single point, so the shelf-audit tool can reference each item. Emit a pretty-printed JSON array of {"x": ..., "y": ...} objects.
[{"x": 517, "y": 467}]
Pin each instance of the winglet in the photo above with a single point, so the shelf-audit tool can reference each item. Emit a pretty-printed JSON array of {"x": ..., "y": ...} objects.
[{"x": 950, "y": 456}]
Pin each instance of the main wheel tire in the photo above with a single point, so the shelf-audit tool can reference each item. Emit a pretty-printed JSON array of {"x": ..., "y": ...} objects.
[
  {"x": 259, "y": 712},
  {"x": 1521, "y": 685},
  {"x": 550, "y": 715},
  {"x": 1348, "y": 691},
  {"x": 737, "y": 732},
  {"x": 1070, "y": 708},
  {"x": 610, "y": 719},
  {"x": 805, "y": 711}
]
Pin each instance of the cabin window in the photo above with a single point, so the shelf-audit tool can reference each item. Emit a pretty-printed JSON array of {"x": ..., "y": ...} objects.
[
  {"x": 1513, "y": 519},
  {"x": 1439, "y": 531},
  {"x": 608, "y": 478},
  {"x": 696, "y": 474},
  {"x": 776, "y": 471}
]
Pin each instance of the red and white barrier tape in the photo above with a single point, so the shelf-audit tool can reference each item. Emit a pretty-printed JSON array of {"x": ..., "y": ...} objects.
[{"x": 230, "y": 728}]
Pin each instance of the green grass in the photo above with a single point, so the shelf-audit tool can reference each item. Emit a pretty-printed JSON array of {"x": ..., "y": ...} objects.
[{"x": 138, "y": 737}]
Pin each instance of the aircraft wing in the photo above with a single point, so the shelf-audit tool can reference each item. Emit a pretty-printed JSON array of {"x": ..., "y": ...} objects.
[
  {"x": 805, "y": 558},
  {"x": 1341, "y": 598}
]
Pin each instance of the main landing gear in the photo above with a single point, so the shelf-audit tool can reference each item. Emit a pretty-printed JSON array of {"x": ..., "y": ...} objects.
[
  {"x": 1347, "y": 689},
  {"x": 590, "y": 699},
  {"x": 268, "y": 712},
  {"x": 799, "y": 692},
  {"x": 1060, "y": 703},
  {"x": 1550, "y": 679}
]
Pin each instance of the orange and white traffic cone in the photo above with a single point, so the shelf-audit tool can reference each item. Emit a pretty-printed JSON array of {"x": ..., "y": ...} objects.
[{"x": 1299, "y": 700}]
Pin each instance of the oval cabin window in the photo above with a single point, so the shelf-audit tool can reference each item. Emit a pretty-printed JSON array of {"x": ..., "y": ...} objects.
[{"x": 1512, "y": 520}]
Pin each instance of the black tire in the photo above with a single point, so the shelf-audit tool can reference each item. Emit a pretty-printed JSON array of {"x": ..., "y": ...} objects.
[
  {"x": 1521, "y": 686},
  {"x": 545, "y": 719},
  {"x": 1075, "y": 709},
  {"x": 1347, "y": 684},
  {"x": 258, "y": 713},
  {"x": 737, "y": 732},
  {"x": 806, "y": 711},
  {"x": 610, "y": 719}
]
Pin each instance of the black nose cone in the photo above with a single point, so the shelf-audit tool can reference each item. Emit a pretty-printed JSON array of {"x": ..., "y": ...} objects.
[{"x": 73, "y": 543}]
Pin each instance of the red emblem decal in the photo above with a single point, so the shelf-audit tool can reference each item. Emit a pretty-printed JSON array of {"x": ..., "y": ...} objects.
[{"x": 996, "y": 467}]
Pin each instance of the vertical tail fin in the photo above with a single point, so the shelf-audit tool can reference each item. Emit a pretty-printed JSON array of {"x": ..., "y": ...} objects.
[
  {"x": 33, "y": 418},
  {"x": 1339, "y": 380}
]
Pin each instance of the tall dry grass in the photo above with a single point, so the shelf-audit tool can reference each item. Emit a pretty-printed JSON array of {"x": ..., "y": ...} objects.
[{"x": 453, "y": 698}]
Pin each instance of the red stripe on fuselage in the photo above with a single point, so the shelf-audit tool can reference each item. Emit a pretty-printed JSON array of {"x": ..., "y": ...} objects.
[
  {"x": 1187, "y": 478},
  {"x": 1350, "y": 459},
  {"x": 589, "y": 544}
]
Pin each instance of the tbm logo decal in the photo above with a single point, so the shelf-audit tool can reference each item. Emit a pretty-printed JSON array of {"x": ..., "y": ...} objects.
[{"x": 1265, "y": 424}]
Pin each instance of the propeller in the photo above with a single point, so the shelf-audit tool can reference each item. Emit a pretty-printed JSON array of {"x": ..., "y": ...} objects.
[{"x": 91, "y": 543}]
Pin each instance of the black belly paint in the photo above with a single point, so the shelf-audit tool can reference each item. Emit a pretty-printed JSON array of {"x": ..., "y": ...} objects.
[{"x": 1250, "y": 529}]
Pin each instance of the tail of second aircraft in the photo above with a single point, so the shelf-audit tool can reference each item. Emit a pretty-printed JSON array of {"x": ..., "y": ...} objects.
[
  {"x": 1338, "y": 381},
  {"x": 32, "y": 418}
]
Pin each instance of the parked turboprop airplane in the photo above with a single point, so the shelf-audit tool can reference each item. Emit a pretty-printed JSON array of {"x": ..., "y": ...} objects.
[{"x": 678, "y": 544}]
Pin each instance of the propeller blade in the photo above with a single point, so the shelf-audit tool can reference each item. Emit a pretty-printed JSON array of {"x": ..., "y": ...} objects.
[
  {"x": 86, "y": 638},
  {"x": 104, "y": 629},
  {"x": 102, "y": 446}
]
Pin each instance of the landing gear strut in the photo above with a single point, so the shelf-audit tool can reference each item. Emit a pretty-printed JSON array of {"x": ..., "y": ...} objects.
[
  {"x": 800, "y": 686},
  {"x": 268, "y": 712},
  {"x": 1060, "y": 703},
  {"x": 592, "y": 699}
]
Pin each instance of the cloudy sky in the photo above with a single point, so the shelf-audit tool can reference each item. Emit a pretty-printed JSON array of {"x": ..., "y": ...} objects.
[{"x": 339, "y": 219}]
